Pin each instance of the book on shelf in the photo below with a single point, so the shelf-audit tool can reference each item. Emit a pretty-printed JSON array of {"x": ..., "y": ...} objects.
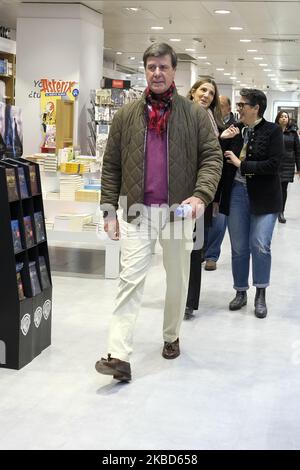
[
  {"x": 33, "y": 180},
  {"x": 19, "y": 267},
  {"x": 39, "y": 227},
  {"x": 50, "y": 136},
  {"x": 15, "y": 229},
  {"x": 118, "y": 97},
  {"x": 28, "y": 231},
  {"x": 44, "y": 273},
  {"x": 11, "y": 184},
  {"x": 34, "y": 280},
  {"x": 22, "y": 183},
  {"x": 102, "y": 113},
  {"x": 103, "y": 96}
]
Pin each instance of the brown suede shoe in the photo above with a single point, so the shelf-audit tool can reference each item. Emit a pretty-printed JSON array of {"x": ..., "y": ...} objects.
[
  {"x": 120, "y": 370},
  {"x": 171, "y": 350}
]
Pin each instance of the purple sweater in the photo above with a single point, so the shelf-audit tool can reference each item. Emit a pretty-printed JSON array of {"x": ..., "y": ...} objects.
[{"x": 156, "y": 169}]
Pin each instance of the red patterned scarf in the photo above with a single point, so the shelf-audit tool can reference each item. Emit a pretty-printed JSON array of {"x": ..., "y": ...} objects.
[{"x": 159, "y": 109}]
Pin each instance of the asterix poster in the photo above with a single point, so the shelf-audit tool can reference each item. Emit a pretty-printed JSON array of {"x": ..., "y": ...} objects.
[{"x": 51, "y": 91}]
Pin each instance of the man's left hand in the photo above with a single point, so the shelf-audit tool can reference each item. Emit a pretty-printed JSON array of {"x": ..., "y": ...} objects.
[{"x": 197, "y": 205}]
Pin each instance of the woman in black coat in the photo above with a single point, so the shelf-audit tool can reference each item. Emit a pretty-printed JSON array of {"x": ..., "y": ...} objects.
[{"x": 290, "y": 157}]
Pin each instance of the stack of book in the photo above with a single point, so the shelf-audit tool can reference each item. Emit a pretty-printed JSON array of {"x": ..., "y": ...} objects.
[
  {"x": 53, "y": 195},
  {"x": 91, "y": 227},
  {"x": 37, "y": 158},
  {"x": 50, "y": 162},
  {"x": 87, "y": 195},
  {"x": 68, "y": 185},
  {"x": 72, "y": 168},
  {"x": 49, "y": 224},
  {"x": 71, "y": 222}
]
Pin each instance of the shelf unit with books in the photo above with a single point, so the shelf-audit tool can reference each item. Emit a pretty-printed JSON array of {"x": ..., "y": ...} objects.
[
  {"x": 7, "y": 70},
  {"x": 25, "y": 282}
]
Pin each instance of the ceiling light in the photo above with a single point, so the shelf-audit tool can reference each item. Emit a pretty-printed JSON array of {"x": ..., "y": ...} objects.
[
  {"x": 190, "y": 50},
  {"x": 227, "y": 73},
  {"x": 244, "y": 85},
  {"x": 202, "y": 57},
  {"x": 267, "y": 70},
  {"x": 235, "y": 28},
  {"x": 141, "y": 66},
  {"x": 271, "y": 75},
  {"x": 245, "y": 40},
  {"x": 175, "y": 40},
  {"x": 232, "y": 78},
  {"x": 222, "y": 12},
  {"x": 140, "y": 78},
  {"x": 157, "y": 27},
  {"x": 207, "y": 63},
  {"x": 220, "y": 69},
  {"x": 258, "y": 58},
  {"x": 238, "y": 81},
  {"x": 131, "y": 58},
  {"x": 263, "y": 65},
  {"x": 273, "y": 79},
  {"x": 119, "y": 53},
  {"x": 251, "y": 50},
  {"x": 131, "y": 9}
]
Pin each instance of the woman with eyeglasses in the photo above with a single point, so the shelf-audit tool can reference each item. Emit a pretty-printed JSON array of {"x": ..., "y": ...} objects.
[
  {"x": 290, "y": 157},
  {"x": 251, "y": 196}
]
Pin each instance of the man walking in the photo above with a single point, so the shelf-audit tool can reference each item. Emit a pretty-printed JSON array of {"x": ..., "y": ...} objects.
[{"x": 161, "y": 152}]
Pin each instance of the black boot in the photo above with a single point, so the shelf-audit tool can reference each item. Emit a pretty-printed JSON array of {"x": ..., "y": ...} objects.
[
  {"x": 281, "y": 218},
  {"x": 189, "y": 313},
  {"x": 260, "y": 303},
  {"x": 239, "y": 301}
]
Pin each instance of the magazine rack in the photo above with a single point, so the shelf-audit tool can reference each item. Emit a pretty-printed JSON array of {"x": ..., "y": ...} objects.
[{"x": 25, "y": 278}]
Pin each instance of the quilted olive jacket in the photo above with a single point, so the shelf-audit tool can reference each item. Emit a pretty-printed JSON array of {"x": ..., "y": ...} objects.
[{"x": 194, "y": 155}]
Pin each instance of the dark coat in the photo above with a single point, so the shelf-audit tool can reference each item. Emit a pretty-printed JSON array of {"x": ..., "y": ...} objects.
[
  {"x": 261, "y": 168},
  {"x": 290, "y": 156}
]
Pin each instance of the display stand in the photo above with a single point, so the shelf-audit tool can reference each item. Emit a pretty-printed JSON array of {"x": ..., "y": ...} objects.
[{"x": 26, "y": 296}]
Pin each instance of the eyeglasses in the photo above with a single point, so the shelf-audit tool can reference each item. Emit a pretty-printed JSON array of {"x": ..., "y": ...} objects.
[{"x": 241, "y": 105}]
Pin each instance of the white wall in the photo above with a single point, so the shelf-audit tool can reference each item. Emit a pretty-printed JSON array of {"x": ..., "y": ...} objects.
[
  {"x": 186, "y": 76},
  {"x": 56, "y": 41}
]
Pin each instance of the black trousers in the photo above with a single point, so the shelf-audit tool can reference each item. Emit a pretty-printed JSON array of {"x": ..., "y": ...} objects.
[
  {"x": 284, "y": 185},
  {"x": 195, "y": 279},
  {"x": 197, "y": 258}
]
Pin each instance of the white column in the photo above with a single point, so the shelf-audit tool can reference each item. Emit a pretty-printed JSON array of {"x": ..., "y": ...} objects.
[
  {"x": 60, "y": 41},
  {"x": 186, "y": 76}
]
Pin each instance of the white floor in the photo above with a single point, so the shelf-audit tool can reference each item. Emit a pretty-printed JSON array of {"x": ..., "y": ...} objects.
[{"x": 236, "y": 384}]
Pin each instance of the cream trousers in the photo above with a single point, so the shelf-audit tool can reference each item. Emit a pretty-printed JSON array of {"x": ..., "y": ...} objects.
[{"x": 137, "y": 243}]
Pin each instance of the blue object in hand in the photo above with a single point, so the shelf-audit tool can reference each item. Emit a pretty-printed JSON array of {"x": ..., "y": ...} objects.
[{"x": 183, "y": 211}]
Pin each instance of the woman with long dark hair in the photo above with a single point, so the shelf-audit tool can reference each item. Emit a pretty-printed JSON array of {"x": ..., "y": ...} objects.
[{"x": 290, "y": 157}]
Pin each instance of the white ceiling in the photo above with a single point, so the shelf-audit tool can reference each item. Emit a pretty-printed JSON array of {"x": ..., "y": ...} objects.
[{"x": 272, "y": 26}]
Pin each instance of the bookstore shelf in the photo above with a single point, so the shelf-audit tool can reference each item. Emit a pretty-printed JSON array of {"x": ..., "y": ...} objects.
[
  {"x": 7, "y": 70},
  {"x": 25, "y": 283}
]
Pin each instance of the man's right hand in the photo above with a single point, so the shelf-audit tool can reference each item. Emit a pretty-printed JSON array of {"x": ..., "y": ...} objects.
[{"x": 111, "y": 227}]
